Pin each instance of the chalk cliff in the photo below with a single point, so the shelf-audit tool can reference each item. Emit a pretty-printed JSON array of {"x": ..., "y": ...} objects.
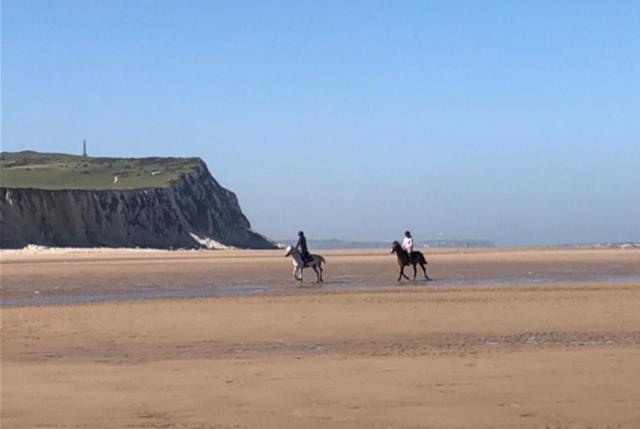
[{"x": 193, "y": 211}]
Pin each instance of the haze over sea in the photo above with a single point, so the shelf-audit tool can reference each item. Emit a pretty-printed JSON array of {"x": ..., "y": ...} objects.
[{"x": 509, "y": 121}]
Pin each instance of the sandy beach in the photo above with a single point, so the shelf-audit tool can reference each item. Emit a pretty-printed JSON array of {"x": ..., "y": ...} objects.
[{"x": 540, "y": 338}]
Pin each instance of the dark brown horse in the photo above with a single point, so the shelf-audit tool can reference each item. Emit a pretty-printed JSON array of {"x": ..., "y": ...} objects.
[{"x": 403, "y": 261}]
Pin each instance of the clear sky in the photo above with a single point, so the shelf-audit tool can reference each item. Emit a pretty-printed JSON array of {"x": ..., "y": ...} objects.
[{"x": 513, "y": 121}]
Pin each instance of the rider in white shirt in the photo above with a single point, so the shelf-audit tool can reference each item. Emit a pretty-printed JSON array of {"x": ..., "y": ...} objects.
[{"x": 407, "y": 243}]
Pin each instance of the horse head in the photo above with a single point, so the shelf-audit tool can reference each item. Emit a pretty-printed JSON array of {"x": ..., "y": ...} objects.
[
  {"x": 287, "y": 251},
  {"x": 395, "y": 247}
]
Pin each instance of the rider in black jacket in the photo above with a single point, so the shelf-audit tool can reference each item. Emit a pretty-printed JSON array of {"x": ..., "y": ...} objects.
[{"x": 302, "y": 246}]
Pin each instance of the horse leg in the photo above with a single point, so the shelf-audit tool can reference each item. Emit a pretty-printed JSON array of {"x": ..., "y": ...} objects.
[
  {"x": 402, "y": 274},
  {"x": 425, "y": 272},
  {"x": 295, "y": 272},
  {"x": 321, "y": 270},
  {"x": 415, "y": 271},
  {"x": 317, "y": 274}
]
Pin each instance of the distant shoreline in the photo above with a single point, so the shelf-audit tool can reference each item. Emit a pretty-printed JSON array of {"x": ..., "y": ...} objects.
[{"x": 37, "y": 249}]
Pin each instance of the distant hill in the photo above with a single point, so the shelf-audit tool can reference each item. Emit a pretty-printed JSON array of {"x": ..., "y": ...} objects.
[
  {"x": 55, "y": 171},
  {"x": 61, "y": 200},
  {"x": 623, "y": 245},
  {"x": 342, "y": 244}
]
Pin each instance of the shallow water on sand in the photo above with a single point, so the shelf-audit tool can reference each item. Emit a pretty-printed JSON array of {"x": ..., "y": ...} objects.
[{"x": 342, "y": 282}]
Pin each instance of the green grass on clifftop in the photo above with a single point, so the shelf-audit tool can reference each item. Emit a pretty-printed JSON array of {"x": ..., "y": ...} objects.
[{"x": 55, "y": 171}]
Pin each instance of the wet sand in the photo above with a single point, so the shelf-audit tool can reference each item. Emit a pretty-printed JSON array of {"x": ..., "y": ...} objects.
[
  {"x": 111, "y": 272},
  {"x": 558, "y": 353}
]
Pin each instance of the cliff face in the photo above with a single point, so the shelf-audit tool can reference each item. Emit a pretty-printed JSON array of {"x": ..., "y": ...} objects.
[{"x": 194, "y": 211}]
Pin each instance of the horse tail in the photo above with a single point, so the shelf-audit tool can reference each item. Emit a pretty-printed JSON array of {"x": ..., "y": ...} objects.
[{"x": 322, "y": 261}]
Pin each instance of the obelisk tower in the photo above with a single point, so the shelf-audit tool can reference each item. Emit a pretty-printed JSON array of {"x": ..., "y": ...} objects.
[{"x": 84, "y": 148}]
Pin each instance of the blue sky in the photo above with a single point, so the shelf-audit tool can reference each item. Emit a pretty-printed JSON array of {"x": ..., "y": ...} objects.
[{"x": 514, "y": 121}]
